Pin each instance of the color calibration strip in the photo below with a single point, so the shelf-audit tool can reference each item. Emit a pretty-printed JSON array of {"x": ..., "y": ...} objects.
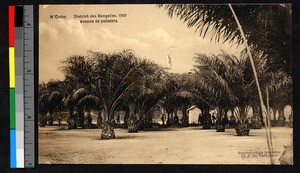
[
  {"x": 21, "y": 86},
  {"x": 12, "y": 105}
]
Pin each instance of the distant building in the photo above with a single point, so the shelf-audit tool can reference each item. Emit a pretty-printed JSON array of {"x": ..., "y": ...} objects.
[{"x": 193, "y": 114}]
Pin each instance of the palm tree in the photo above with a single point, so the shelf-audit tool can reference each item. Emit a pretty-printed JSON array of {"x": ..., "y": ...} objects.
[
  {"x": 77, "y": 96},
  {"x": 184, "y": 96},
  {"x": 54, "y": 101},
  {"x": 50, "y": 99},
  {"x": 269, "y": 31},
  {"x": 226, "y": 78},
  {"x": 278, "y": 86},
  {"x": 144, "y": 96},
  {"x": 117, "y": 74},
  {"x": 77, "y": 84},
  {"x": 83, "y": 102},
  {"x": 43, "y": 102},
  {"x": 152, "y": 93},
  {"x": 212, "y": 74},
  {"x": 177, "y": 95},
  {"x": 169, "y": 102},
  {"x": 140, "y": 103},
  {"x": 77, "y": 69},
  {"x": 88, "y": 103},
  {"x": 69, "y": 104},
  {"x": 68, "y": 87}
]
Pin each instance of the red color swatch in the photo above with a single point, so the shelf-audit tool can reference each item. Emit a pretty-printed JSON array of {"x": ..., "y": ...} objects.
[{"x": 11, "y": 25}]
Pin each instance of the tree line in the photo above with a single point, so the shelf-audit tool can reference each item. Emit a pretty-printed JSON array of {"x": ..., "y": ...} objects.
[
  {"x": 107, "y": 83},
  {"x": 121, "y": 81}
]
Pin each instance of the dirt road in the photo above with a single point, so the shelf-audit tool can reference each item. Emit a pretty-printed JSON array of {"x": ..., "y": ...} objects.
[{"x": 190, "y": 145}]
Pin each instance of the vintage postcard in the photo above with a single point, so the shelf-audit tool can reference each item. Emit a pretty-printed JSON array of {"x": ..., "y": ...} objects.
[{"x": 165, "y": 84}]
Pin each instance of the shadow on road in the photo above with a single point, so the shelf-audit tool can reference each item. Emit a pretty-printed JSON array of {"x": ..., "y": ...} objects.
[{"x": 159, "y": 129}]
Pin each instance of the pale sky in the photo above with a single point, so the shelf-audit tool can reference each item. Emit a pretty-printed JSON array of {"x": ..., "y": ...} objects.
[{"x": 147, "y": 30}]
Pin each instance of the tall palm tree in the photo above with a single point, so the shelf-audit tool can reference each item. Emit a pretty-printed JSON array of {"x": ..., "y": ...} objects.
[
  {"x": 77, "y": 69},
  {"x": 50, "y": 100},
  {"x": 54, "y": 101},
  {"x": 185, "y": 95},
  {"x": 171, "y": 87},
  {"x": 225, "y": 78},
  {"x": 278, "y": 85},
  {"x": 116, "y": 75},
  {"x": 269, "y": 31},
  {"x": 144, "y": 96},
  {"x": 43, "y": 102},
  {"x": 212, "y": 73},
  {"x": 77, "y": 84},
  {"x": 88, "y": 103},
  {"x": 76, "y": 98}
]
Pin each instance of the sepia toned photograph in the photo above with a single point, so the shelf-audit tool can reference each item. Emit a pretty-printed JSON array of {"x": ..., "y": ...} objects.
[{"x": 165, "y": 84}]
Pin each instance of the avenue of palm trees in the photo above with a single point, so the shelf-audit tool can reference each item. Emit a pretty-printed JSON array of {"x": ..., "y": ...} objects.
[{"x": 104, "y": 83}]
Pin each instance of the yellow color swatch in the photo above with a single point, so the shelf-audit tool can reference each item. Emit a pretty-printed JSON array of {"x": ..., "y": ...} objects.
[{"x": 11, "y": 67}]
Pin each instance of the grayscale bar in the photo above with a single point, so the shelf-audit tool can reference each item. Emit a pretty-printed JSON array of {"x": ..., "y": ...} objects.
[
  {"x": 29, "y": 87},
  {"x": 19, "y": 88}
]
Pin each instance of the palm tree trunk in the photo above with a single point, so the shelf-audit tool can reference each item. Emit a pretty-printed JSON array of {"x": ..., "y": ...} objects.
[
  {"x": 206, "y": 118},
  {"x": 185, "y": 117},
  {"x": 148, "y": 119},
  {"x": 263, "y": 108},
  {"x": 99, "y": 118},
  {"x": 220, "y": 125},
  {"x": 140, "y": 108},
  {"x": 107, "y": 125},
  {"x": 168, "y": 119},
  {"x": 232, "y": 119},
  {"x": 80, "y": 117},
  {"x": 225, "y": 118},
  {"x": 107, "y": 128},
  {"x": 132, "y": 120},
  {"x": 281, "y": 118},
  {"x": 72, "y": 124},
  {"x": 88, "y": 120},
  {"x": 243, "y": 114},
  {"x": 107, "y": 131},
  {"x": 133, "y": 124},
  {"x": 126, "y": 117},
  {"x": 50, "y": 121},
  {"x": 43, "y": 120},
  {"x": 274, "y": 113},
  {"x": 257, "y": 118},
  {"x": 243, "y": 127}
]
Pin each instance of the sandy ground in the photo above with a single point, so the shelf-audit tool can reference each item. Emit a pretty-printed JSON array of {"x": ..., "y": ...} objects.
[{"x": 190, "y": 145}]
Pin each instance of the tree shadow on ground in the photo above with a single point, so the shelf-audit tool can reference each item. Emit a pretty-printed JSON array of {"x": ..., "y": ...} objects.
[
  {"x": 198, "y": 128},
  {"x": 129, "y": 137},
  {"x": 160, "y": 129},
  {"x": 121, "y": 137},
  {"x": 234, "y": 134}
]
